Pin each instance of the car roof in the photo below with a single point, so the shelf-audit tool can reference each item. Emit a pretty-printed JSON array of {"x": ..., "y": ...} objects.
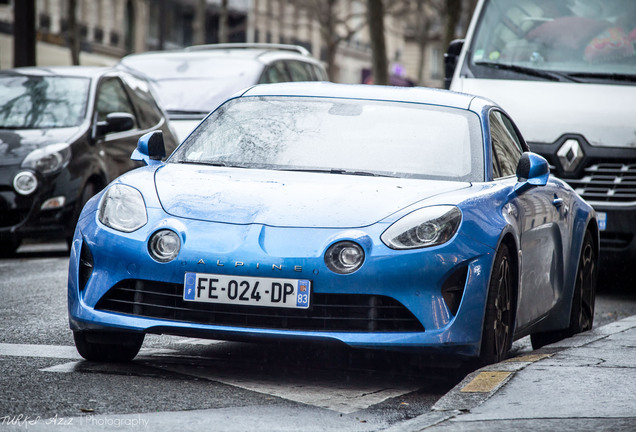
[
  {"x": 425, "y": 95},
  {"x": 76, "y": 71},
  {"x": 261, "y": 53}
]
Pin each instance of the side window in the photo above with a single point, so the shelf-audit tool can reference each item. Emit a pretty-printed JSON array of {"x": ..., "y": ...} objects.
[
  {"x": 300, "y": 71},
  {"x": 112, "y": 98},
  {"x": 320, "y": 73},
  {"x": 506, "y": 145},
  {"x": 274, "y": 74},
  {"x": 148, "y": 112}
]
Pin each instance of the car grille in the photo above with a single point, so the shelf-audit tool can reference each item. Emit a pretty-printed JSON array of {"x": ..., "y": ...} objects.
[
  {"x": 607, "y": 182},
  {"x": 328, "y": 312}
]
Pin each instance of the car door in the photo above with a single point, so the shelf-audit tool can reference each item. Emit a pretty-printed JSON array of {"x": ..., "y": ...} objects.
[
  {"x": 115, "y": 148},
  {"x": 538, "y": 214}
]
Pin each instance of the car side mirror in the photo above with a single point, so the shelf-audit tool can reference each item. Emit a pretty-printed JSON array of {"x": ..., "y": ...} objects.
[
  {"x": 451, "y": 56},
  {"x": 116, "y": 122},
  {"x": 150, "y": 148},
  {"x": 532, "y": 170}
]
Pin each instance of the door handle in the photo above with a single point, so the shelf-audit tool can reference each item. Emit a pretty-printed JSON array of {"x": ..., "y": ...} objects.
[{"x": 557, "y": 202}]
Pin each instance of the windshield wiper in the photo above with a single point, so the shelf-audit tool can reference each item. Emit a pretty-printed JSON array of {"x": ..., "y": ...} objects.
[
  {"x": 611, "y": 76},
  {"x": 336, "y": 171},
  {"x": 539, "y": 73},
  {"x": 212, "y": 163}
]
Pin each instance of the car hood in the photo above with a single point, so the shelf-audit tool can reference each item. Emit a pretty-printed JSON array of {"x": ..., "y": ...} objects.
[
  {"x": 287, "y": 199},
  {"x": 544, "y": 111},
  {"x": 16, "y": 144}
]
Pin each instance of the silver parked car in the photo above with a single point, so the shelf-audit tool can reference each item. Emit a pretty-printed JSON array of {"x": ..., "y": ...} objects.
[{"x": 190, "y": 83}]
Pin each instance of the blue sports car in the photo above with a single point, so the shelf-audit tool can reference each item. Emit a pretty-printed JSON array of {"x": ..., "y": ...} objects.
[{"x": 378, "y": 217}]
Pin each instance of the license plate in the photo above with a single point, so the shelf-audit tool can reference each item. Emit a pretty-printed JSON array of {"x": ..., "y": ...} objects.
[
  {"x": 245, "y": 290},
  {"x": 601, "y": 217}
]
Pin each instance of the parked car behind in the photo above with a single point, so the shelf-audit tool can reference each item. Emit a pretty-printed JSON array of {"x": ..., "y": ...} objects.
[
  {"x": 190, "y": 83},
  {"x": 65, "y": 133},
  {"x": 399, "y": 219}
]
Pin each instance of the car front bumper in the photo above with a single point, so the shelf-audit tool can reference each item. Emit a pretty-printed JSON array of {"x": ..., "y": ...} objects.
[{"x": 390, "y": 286}]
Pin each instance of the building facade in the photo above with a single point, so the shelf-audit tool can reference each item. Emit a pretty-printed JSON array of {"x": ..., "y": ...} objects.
[{"x": 334, "y": 31}]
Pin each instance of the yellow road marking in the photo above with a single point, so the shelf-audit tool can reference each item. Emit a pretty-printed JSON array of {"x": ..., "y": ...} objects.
[
  {"x": 531, "y": 358},
  {"x": 485, "y": 382}
]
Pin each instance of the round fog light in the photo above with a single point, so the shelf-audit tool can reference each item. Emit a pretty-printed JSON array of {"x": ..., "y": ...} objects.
[
  {"x": 344, "y": 257},
  {"x": 25, "y": 182},
  {"x": 164, "y": 246}
]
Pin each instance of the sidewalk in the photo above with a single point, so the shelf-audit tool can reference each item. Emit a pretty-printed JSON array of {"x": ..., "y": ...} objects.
[
  {"x": 585, "y": 383},
  {"x": 51, "y": 55}
]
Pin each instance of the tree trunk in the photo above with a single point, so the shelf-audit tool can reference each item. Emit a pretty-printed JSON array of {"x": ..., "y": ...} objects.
[
  {"x": 422, "y": 41},
  {"x": 24, "y": 39},
  {"x": 453, "y": 13},
  {"x": 330, "y": 37},
  {"x": 73, "y": 32},
  {"x": 198, "y": 25},
  {"x": 163, "y": 18},
  {"x": 223, "y": 23},
  {"x": 378, "y": 45}
]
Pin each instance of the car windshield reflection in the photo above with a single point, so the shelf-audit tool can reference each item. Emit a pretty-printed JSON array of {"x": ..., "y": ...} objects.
[
  {"x": 340, "y": 136},
  {"x": 31, "y": 102}
]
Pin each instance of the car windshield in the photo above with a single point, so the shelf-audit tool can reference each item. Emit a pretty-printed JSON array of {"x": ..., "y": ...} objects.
[
  {"x": 571, "y": 40},
  {"x": 194, "y": 82},
  {"x": 340, "y": 136},
  {"x": 191, "y": 66},
  {"x": 34, "y": 102}
]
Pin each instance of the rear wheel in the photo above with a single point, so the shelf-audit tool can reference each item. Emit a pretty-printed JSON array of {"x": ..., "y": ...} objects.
[
  {"x": 106, "y": 346},
  {"x": 583, "y": 299},
  {"x": 499, "y": 319}
]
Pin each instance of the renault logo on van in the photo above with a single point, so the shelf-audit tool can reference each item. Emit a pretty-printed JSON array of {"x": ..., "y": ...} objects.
[{"x": 570, "y": 155}]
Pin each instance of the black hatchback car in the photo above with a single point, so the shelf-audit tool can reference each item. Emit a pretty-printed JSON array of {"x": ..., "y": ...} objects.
[{"x": 65, "y": 133}]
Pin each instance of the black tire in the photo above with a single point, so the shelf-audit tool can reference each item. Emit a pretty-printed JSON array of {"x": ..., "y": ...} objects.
[
  {"x": 499, "y": 318},
  {"x": 87, "y": 193},
  {"x": 583, "y": 299},
  {"x": 104, "y": 346},
  {"x": 8, "y": 246}
]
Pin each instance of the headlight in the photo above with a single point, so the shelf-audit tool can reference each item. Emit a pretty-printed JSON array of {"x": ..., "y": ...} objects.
[
  {"x": 49, "y": 159},
  {"x": 344, "y": 257},
  {"x": 430, "y": 226},
  {"x": 164, "y": 245},
  {"x": 123, "y": 209},
  {"x": 25, "y": 183}
]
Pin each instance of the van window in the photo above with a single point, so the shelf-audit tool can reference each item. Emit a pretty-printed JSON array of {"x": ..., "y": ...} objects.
[{"x": 571, "y": 40}]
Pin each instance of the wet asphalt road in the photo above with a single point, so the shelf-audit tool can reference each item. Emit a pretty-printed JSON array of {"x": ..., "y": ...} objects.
[{"x": 312, "y": 387}]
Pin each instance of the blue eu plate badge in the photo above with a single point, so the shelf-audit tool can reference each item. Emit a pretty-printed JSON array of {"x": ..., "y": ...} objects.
[
  {"x": 190, "y": 282},
  {"x": 302, "y": 294}
]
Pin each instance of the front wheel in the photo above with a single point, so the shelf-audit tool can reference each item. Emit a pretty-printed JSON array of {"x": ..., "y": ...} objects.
[
  {"x": 105, "y": 346},
  {"x": 8, "y": 246},
  {"x": 583, "y": 299},
  {"x": 499, "y": 319}
]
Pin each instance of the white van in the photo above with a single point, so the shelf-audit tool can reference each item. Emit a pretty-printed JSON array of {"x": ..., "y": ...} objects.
[{"x": 565, "y": 70}]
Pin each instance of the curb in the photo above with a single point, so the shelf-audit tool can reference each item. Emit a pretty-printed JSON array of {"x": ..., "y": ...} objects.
[{"x": 480, "y": 385}]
